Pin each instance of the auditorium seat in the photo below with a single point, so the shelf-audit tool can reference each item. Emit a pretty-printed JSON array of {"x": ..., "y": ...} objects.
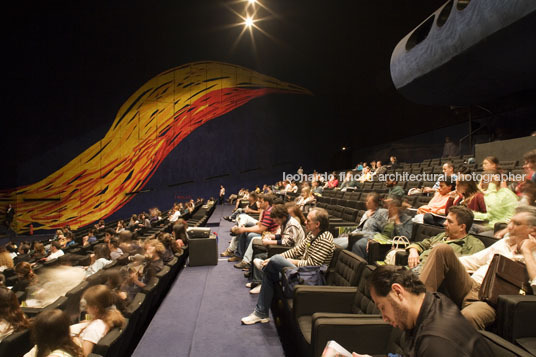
[
  {"x": 134, "y": 313},
  {"x": 72, "y": 306},
  {"x": 501, "y": 347},
  {"x": 112, "y": 344},
  {"x": 16, "y": 344},
  {"x": 327, "y": 311}
]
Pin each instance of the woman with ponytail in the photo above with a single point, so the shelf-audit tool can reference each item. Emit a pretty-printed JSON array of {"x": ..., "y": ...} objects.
[{"x": 98, "y": 301}]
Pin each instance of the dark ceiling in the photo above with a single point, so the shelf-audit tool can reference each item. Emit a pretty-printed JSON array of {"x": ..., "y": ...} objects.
[{"x": 70, "y": 65}]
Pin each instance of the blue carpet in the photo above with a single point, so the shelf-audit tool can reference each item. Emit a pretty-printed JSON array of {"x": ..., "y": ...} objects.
[{"x": 201, "y": 314}]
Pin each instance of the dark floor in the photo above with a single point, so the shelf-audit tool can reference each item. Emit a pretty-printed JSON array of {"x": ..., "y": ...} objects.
[{"x": 201, "y": 314}]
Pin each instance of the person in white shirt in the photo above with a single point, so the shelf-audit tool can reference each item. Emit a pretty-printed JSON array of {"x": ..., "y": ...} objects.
[
  {"x": 55, "y": 251},
  {"x": 100, "y": 259},
  {"x": 462, "y": 277},
  {"x": 99, "y": 304}
]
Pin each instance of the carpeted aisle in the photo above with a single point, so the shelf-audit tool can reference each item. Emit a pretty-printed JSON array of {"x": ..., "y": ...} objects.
[{"x": 201, "y": 314}]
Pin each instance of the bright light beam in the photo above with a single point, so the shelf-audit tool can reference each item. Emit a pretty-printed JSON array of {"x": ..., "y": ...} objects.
[{"x": 248, "y": 22}]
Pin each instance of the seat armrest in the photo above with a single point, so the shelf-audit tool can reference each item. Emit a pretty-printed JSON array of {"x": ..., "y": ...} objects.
[
  {"x": 500, "y": 346},
  {"x": 515, "y": 316},
  {"x": 310, "y": 299},
  {"x": 365, "y": 335},
  {"x": 354, "y": 237},
  {"x": 377, "y": 251}
]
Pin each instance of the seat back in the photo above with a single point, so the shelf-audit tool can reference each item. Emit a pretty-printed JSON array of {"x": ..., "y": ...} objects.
[
  {"x": 347, "y": 270},
  {"x": 112, "y": 343},
  {"x": 16, "y": 344},
  {"x": 363, "y": 303},
  {"x": 422, "y": 231}
]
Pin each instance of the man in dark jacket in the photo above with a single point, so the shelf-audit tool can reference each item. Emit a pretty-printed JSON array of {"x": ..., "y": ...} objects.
[{"x": 432, "y": 324}]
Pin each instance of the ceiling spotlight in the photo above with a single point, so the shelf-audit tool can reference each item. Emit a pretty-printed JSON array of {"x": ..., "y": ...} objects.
[
  {"x": 249, "y": 22},
  {"x": 252, "y": 1}
]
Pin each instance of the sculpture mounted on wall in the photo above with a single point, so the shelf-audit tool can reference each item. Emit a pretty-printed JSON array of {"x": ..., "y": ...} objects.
[{"x": 147, "y": 127}]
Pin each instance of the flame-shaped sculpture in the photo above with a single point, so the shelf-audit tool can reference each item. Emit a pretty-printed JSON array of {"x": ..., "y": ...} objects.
[{"x": 152, "y": 122}]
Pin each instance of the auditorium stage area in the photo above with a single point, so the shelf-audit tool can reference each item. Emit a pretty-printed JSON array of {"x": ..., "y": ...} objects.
[{"x": 201, "y": 314}]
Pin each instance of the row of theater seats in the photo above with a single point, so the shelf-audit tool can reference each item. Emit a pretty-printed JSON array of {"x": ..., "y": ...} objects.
[
  {"x": 344, "y": 311},
  {"x": 138, "y": 314}
]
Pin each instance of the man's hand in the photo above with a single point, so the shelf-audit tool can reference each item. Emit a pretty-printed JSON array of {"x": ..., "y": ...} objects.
[
  {"x": 501, "y": 233},
  {"x": 527, "y": 246},
  {"x": 265, "y": 262},
  {"x": 413, "y": 259}
]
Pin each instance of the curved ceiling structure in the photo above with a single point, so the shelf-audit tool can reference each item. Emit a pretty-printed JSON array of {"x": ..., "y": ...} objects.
[{"x": 467, "y": 52}]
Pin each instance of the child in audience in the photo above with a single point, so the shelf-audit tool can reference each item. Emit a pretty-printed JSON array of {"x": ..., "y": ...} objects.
[
  {"x": 98, "y": 302},
  {"x": 113, "y": 246},
  {"x": 12, "y": 319},
  {"x": 50, "y": 333},
  {"x": 100, "y": 258},
  {"x": 38, "y": 251},
  {"x": 25, "y": 276},
  {"x": 120, "y": 226},
  {"x": 6, "y": 262}
]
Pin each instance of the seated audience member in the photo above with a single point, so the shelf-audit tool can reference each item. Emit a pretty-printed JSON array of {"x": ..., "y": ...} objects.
[
  {"x": 114, "y": 281},
  {"x": 90, "y": 238},
  {"x": 51, "y": 335},
  {"x": 372, "y": 167},
  {"x": 380, "y": 169},
  {"x": 448, "y": 171},
  {"x": 306, "y": 198},
  {"x": 251, "y": 209},
  {"x": 144, "y": 221},
  {"x": 99, "y": 226},
  {"x": 393, "y": 162},
  {"x": 38, "y": 251},
  {"x": 25, "y": 276},
  {"x": 438, "y": 203},
  {"x": 530, "y": 164},
  {"x": 108, "y": 235},
  {"x": 466, "y": 194},
  {"x": 180, "y": 234},
  {"x": 120, "y": 226},
  {"x": 126, "y": 243},
  {"x": 490, "y": 163},
  {"x": 113, "y": 246},
  {"x": 457, "y": 225},
  {"x": 155, "y": 215},
  {"x": 133, "y": 224},
  {"x": 432, "y": 325},
  {"x": 12, "y": 319},
  {"x": 69, "y": 241},
  {"x": 55, "y": 251},
  {"x": 450, "y": 148},
  {"x": 371, "y": 222},
  {"x": 244, "y": 195},
  {"x": 333, "y": 181},
  {"x": 348, "y": 182},
  {"x": 394, "y": 189},
  {"x": 289, "y": 234},
  {"x": 153, "y": 263},
  {"x": 167, "y": 240},
  {"x": 500, "y": 202},
  {"x": 6, "y": 262},
  {"x": 316, "y": 188},
  {"x": 12, "y": 248},
  {"x": 57, "y": 234},
  {"x": 295, "y": 212},
  {"x": 99, "y": 259},
  {"x": 398, "y": 224},
  {"x": 246, "y": 234},
  {"x": 99, "y": 304},
  {"x": 366, "y": 175},
  {"x": 461, "y": 277},
  {"x": 316, "y": 249}
]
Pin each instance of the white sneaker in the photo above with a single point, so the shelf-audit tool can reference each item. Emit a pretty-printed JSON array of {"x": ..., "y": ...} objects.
[
  {"x": 248, "y": 285},
  {"x": 256, "y": 290},
  {"x": 253, "y": 319},
  {"x": 258, "y": 263}
]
